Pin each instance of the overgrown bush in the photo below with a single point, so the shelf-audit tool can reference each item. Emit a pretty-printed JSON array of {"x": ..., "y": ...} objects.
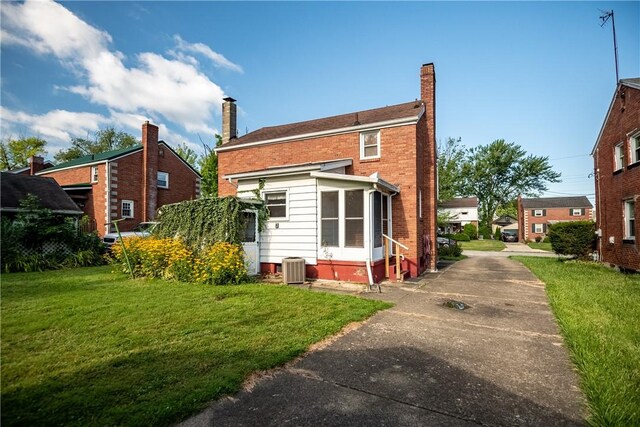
[
  {"x": 538, "y": 239},
  {"x": 171, "y": 259},
  {"x": 471, "y": 231},
  {"x": 498, "y": 234},
  {"x": 450, "y": 251},
  {"x": 485, "y": 232},
  {"x": 575, "y": 238},
  {"x": 461, "y": 237}
]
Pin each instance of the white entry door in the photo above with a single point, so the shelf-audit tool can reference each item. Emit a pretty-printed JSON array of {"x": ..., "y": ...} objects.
[{"x": 250, "y": 243}]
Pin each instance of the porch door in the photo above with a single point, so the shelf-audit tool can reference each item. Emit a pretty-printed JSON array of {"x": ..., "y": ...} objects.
[{"x": 250, "y": 243}]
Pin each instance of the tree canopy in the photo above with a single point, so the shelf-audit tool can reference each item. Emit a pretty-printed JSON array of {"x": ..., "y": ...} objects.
[
  {"x": 16, "y": 152},
  {"x": 188, "y": 154},
  {"x": 209, "y": 169},
  {"x": 106, "y": 139},
  {"x": 451, "y": 158}
]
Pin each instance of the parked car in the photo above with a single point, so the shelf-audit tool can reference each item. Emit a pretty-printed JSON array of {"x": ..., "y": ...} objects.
[
  {"x": 509, "y": 236},
  {"x": 143, "y": 229},
  {"x": 445, "y": 242}
]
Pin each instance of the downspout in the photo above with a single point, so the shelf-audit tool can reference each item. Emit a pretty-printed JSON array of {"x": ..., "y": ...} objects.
[
  {"x": 599, "y": 201},
  {"x": 231, "y": 182}
]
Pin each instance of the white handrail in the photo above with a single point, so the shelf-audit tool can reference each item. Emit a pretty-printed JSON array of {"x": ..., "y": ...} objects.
[{"x": 394, "y": 241}]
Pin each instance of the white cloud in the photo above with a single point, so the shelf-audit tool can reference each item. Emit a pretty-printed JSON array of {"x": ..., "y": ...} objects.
[
  {"x": 174, "y": 89},
  {"x": 204, "y": 50}
]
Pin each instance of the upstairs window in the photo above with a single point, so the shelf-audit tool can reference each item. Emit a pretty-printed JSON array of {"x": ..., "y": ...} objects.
[
  {"x": 277, "y": 204},
  {"x": 618, "y": 157},
  {"x": 163, "y": 180},
  {"x": 370, "y": 145},
  {"x": 576, "y": 212},
  {"x": 538, "y": 212},
  {"x": 634, "y": 146},
  {"x": 94, "y": 174},
  {"x": 629, "y": 220}
]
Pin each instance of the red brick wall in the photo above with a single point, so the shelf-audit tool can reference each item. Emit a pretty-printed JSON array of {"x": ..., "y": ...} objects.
[
  {"x": 183, "y": 183},
  {"x": 612, "y": 188},
  {"x": 128, "y": 178},
  {"x": 551, "y": 214}
]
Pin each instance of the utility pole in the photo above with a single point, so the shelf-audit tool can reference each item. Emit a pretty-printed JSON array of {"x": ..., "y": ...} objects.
[{"x": 604, "y": 18}]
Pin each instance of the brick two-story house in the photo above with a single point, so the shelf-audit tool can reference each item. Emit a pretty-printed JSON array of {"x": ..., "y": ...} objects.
[
  {"x": 130, "y": 183},
  {"x": 535, "y": 215},
  {"x": 336, "y": 186},
  {"x": 616, "y": 157}
]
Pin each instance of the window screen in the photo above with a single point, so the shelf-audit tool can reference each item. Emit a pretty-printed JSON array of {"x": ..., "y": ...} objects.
[
  {"x": 354, "y": 219},
  {"x": 329, "y": 218}
]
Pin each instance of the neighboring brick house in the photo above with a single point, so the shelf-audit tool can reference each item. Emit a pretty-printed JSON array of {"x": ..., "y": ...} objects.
[
  {"x": 616, "y": 157},
  {"x": 459, "y": 212},
  {"x": 130, "y": 183},
  {"x": 536, "y": 215},
  {"x": 335, "y": 185}
]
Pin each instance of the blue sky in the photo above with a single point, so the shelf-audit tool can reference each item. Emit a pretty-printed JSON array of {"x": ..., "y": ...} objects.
[{"x": 540, "y": 74}]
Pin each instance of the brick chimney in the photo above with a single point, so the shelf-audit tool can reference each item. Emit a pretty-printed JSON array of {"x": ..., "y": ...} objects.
[
  {"x": 149, "y": 170},
  {"x": 229, "y": 125},
  {"x": 36, "y": 164},
  {"x": 430, "y": 170}
]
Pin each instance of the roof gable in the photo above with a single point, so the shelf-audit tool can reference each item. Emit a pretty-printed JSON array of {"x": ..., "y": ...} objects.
[
  {"x": 557, "y": 202},
  {"x": 631, "y": 83},
  {"x": 15, "y": 188}
]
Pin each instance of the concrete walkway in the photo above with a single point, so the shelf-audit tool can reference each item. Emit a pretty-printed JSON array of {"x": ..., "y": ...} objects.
[{"x": 499, "y": 362}]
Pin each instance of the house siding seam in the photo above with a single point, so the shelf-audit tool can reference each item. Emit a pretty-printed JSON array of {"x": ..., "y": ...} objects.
[{"x": 614, "y": 187}]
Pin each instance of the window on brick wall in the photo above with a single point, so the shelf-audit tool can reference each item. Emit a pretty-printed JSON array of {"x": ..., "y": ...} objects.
[
  {"x": 634, "y": 147},
  {"x": 94, "y": 174},
  {"x": 629, "y": 219},
  {"x": 370, "y": 145},
  {"x": 538, "y": 228},
  {"x": 126, "y": 209},
  {"x": 618, "y": 157},
  {"x": 538, "y": 212},
  {"x": 576, "y": 212},
  {"x": 163, "y": 180}
]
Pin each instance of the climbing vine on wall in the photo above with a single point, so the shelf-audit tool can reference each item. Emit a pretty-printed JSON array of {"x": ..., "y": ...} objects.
[{"x": 200, "y": 223}]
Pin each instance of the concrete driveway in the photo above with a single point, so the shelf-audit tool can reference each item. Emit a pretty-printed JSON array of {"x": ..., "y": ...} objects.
[{"x": 501, "y": 361}]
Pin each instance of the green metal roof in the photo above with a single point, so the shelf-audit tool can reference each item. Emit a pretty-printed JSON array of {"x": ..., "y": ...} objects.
[{"x": 92, "y": 158}]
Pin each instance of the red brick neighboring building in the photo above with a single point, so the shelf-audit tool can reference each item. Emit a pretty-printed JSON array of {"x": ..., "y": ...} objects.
[
  {"x": 337, "y": 184},
  {"x": 616, "y": 157},
  {"x": 536, "y": 215},
  {"x": 130, "y": 183}
]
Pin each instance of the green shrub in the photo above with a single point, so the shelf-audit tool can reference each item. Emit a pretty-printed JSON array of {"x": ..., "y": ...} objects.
[
  {"x": 498, "y": 234},
  {"x": 575, "y": 238},
  {"x": 485, "y": 232},
  {"x": 450, "y": 251},
  {"x": 461, "y": 237},
  {"x": 546, "y": 240},
  {"x": 538, "y": 239},
  {"x": 471, "y": 231}
]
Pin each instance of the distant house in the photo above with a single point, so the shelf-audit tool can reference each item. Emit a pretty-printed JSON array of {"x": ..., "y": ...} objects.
[
  {"x": 336, "y": 186},
  {"x": 536, "y": 215},
  {"x": 16, "y": 187},
  {"x": 131, "y": 183},
  {"x": 459, "y": 212},
  {"x": 616, "y": 157},
  {"x": 506, "y": 223}
]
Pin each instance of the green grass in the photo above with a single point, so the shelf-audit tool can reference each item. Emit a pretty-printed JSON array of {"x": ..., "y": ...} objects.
[
  {"x": 483, "y": 245},
  {"x": 543, "y": 246},
  {"x": 598, "y": 311},
  {"x": 91, "y": 347}
]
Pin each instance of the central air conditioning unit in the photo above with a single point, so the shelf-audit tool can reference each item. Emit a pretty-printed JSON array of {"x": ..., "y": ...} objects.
[{"x": 293, "y": 270}]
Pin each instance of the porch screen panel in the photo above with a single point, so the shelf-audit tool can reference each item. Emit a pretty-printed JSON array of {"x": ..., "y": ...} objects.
[
  {"x": 354, "y": 219},
  {"x": 329, "y": 218},
  {"x": 377, "y": 219}
]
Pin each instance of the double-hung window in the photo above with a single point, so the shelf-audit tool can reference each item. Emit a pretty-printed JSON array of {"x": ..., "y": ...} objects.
[
  {"x": 629, "y": 219},
  {"x": 370, "y": 145},
  {"x": 634, "y": 147},
  {"x": 538, "y": 212},
  {"x": 330, "y": 218},
  {"x": 277, "y": 204},
  {"x": 127, "y": 209},
  {"x": 576, "y": 212},
  {"x": 163, "y": 180},
  {"x": 538, "y": 228},
  {"x": 618, "y": 157}
]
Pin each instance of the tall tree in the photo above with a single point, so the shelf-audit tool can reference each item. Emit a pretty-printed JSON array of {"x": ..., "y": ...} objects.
[
  {"x": 496, "y": 173},
  {"x": 188, "y": 154},
  {"x": 451, "y": 158},
  {"x": 16, "y": 152},
  {"x": 209, "y": 169},
  {"x": 106, "y": 139}
]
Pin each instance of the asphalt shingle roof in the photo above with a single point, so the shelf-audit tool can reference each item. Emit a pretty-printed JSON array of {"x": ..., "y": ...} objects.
[
  {"x": 557, "y": 202},
  {"x": 461, "y": 202},
  {"x": 15, "y": 187},
  {"x": 376, "y": 115}
]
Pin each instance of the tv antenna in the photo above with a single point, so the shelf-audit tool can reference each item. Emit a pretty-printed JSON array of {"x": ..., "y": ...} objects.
[{"x": 605, "y": 18}]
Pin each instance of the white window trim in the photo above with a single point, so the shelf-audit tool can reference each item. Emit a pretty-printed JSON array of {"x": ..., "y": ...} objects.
[
  {"x": 122, "y": 208},
  {"x": 535, "y": 228},
  {"x": 362, "y": 139},
  {"x": 535, "y": 212},
  {"x": 573, "y": 212},
  {"x": 94, "y": 174},
  {"x": 167, "y": 180},
  {"x": 618, "y": 162},
  {"x": 627, "y": 218},
  {"x": 634, "y": 140},
  {"x": 286, "y": 204}
]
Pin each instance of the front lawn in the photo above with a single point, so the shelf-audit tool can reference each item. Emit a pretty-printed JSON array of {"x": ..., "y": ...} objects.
[
  {"x": 483, "y": 245},
  {"x": 91, "y": 347},
  {"x": 598, "y": 311},
  {"x": 541, "y": 245}
]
